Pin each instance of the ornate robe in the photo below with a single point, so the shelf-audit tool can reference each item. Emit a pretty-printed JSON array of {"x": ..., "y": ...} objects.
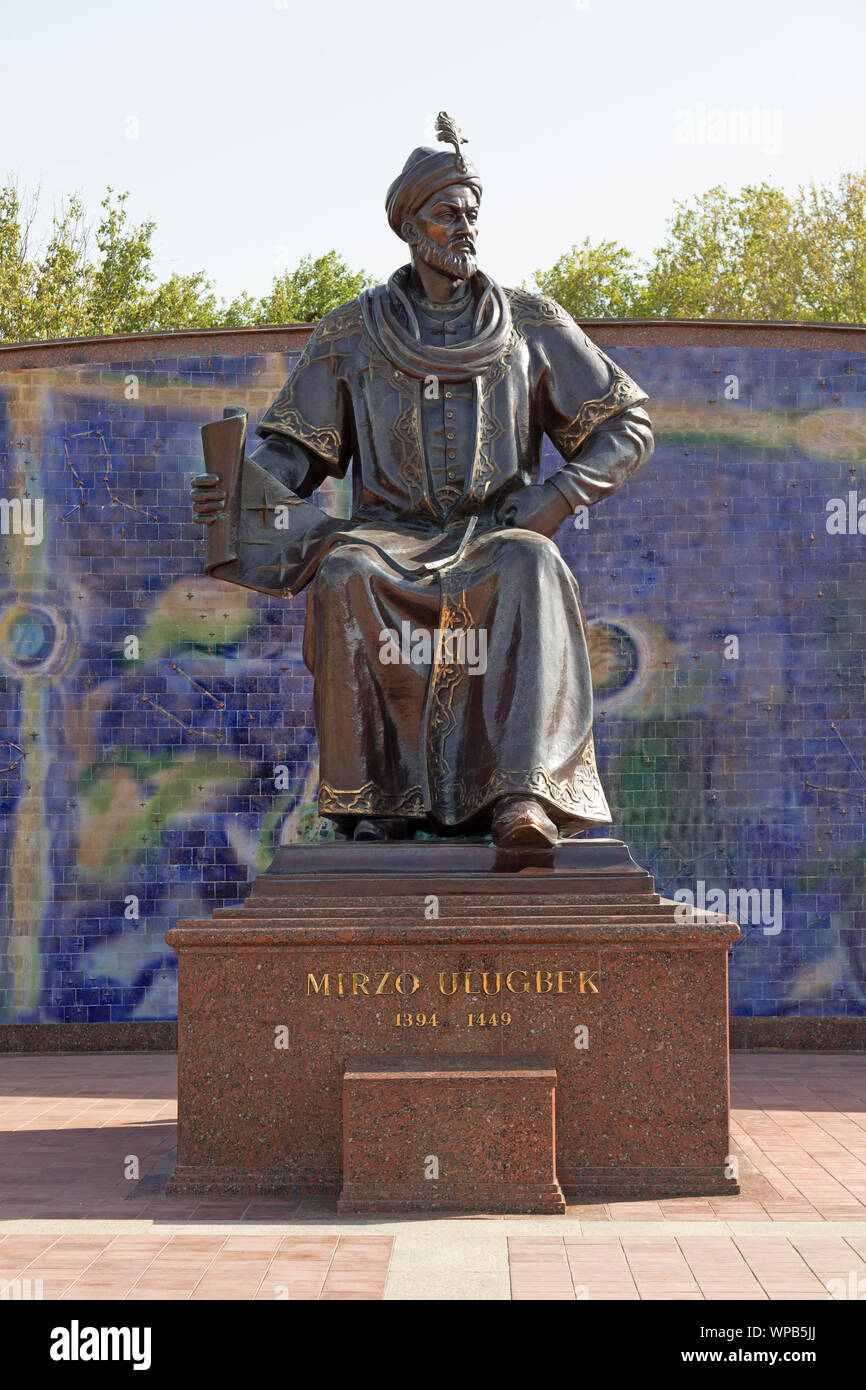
[{"x": 435, "y": 740}]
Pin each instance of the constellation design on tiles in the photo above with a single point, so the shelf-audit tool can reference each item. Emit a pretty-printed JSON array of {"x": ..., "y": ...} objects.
[
  {"x": 82, "y": 486},
  {"x": 14, "y": 765},
  {"x": 189, "y": 729}
]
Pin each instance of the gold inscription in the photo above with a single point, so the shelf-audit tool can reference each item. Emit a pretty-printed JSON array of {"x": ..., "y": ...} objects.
[
  {"x": 356, "y": 982},
  {"x": 489, "y": 983}
]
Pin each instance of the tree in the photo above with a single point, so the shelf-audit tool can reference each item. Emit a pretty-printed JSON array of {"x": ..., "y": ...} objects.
[
  {"x": 17, "y": 278},
  {"x": 757, "y": 253},
  {"x": 729, "y": 256},
  {"x": 82, "y": 284},
  {"x": 832, "y": 228},
  {"x": 315, "y": 287},
  {"x": 593, "y": 282}
]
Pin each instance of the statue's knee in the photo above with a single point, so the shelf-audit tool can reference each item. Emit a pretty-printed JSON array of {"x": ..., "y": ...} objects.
[
  {"x": 531, "y": 555},
  {"x": 340, "y": 567}
]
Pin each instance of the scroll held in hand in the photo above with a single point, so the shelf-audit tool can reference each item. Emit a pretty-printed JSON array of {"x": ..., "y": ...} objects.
[
  {"x": 223, "y": 443},
  {"x": 267, "y": 538}
]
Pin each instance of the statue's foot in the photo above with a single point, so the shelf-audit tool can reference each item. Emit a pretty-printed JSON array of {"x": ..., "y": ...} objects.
[
  {"x": 519, "y": 822},
  {"x": 382, "y": 828}
]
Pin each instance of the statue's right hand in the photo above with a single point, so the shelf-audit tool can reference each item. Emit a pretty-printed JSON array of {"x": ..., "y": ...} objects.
[{"x": 208, "y": 498}]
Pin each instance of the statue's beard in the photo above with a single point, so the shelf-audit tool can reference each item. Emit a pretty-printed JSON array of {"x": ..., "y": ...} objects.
[{"x": 460, "y": 265}]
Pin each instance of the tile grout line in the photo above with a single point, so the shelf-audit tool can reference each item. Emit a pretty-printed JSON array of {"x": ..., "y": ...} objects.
[
  {"x": 810, "y": 1266},
  {"x": 205, "y": 1271},
  {"x": 164, "y": 1246},
  {"x": 330, "y": 1267},
  {"x": 98, "y": 1254},
  {"x": 691, "y": 1270}
]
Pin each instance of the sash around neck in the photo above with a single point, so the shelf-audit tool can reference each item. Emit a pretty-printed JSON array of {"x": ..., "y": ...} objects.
[{"x": 391, "y": 321}]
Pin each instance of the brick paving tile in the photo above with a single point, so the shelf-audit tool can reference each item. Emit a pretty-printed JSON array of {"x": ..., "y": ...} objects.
[
  {"x": 779, "y": 1268},
  {"x": 271, "y": 1209},
  {"x": 835, "y": 1263},
  {"x": 308, "y": 1247},
  {"x": 117, "y": 1266},
  {"x": 17, "y": 1252},
  {"x": 635, "y": 1211},
  {"x": 284, "y": 1270},
  {"x": 719, "y": 1268},
  {"x": 68, "y": 1251},
  {"x": 791, "y": 1211},
  {"x": 237, "y": 1271},
  {"x": 739, "y": 1209},
  {"x": 359, "y": 1263},
  {"x": 599, "y": 1269},
  {"x": 659, "y": 1269},
  {"x": 181, "y": 1265},
  {"x": 857, "y": 1243},
  {"x": 283, "y": 1288},
  {"x": 539, "y": 1269},
  {"x": 687, "y": 1209},
  {"x": 219, "y": 1211},
  {"x": 65, "y": 1260}
]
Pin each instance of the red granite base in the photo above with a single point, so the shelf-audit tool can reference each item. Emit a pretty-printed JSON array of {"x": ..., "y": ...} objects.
[
  {"x": 585, "y": 970},
  {"x": 475, "y": 1198},
  {"x": 144, "y": 1035},
  {"x": 440, "y": 1133}
]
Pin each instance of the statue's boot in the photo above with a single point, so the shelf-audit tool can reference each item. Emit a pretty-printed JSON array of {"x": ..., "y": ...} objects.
[
  {"x": 382, "y": 828},
  {"x": 519, "y": 822}
]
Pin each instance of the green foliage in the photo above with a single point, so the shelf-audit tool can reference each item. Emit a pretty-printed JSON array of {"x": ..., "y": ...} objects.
[
  {"x": 757, "y": 253},
  {"x": 760, "y": 254},
  {"x": 592, "y": 281},
  {"x": 752, "y": 254},
  {"x": 82, "y": 284},
  {"x": 312, "y": 290}
]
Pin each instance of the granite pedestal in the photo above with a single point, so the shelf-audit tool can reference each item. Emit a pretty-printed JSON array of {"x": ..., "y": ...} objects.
[
  {"x": 452, "y": 956},
  {"x": 440, "y": 1133}
]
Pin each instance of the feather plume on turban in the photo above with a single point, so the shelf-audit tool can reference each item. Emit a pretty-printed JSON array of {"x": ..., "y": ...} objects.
[{"x": 425, "y": 172}]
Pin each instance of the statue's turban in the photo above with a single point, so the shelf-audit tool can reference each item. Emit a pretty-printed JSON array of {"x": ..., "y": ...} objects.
[{"x": 425, "y": 172}]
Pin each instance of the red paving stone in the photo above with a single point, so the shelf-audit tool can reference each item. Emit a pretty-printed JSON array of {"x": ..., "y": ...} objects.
[
  {"x": 193, "y": 1267},
  {"x": 91, "y": 1137},
  {"x": 600, "y": 1269}
]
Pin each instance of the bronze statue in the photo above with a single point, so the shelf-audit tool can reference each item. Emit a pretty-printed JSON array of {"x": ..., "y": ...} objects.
[{"x": 444, "y": 630}]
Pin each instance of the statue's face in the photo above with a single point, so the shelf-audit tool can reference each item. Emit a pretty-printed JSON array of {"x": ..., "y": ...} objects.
[{"x": 443, "y": 231}]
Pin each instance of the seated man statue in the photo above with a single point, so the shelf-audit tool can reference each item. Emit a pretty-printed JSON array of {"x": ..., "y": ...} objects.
[{"x": 444, "y": 631}]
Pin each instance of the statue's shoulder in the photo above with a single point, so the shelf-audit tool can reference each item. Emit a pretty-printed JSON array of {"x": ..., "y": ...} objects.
[
  {"x": 536, "y": 310},
  {"x": 341, "y": 323}
]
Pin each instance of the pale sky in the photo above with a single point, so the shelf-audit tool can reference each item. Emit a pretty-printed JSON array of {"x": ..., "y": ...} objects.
[{"x": 266, "y": 129}]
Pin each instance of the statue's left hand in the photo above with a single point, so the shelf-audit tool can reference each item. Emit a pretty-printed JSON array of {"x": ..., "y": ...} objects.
[
  {"x": 208, "y": 498},
  {"x": 538, "y": 507}
]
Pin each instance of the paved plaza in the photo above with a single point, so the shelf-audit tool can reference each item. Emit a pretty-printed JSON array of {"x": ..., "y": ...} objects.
[{"x": 87, "y": 1145}]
